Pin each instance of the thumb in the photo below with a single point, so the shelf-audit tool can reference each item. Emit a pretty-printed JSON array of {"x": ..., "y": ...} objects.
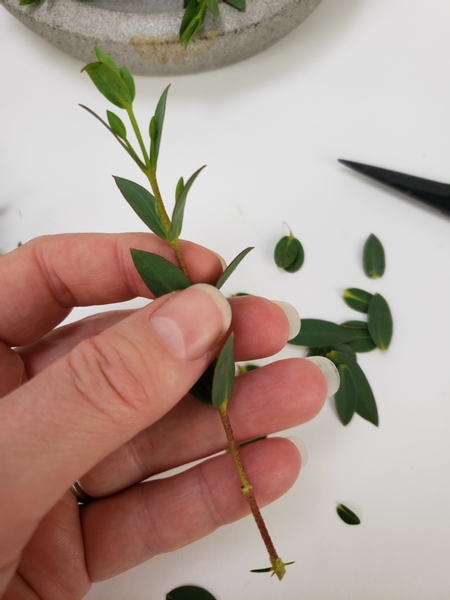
[{"x": 108, "y": 388}]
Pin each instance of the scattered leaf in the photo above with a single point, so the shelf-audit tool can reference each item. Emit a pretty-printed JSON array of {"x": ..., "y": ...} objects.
[
  {"x": 189, "y": 592},
  {"x": 347, "y": 515},
  {"x": 232, "y": 266},
  {"x": 239, "y": 4},
  {"x": 224, "y": 374},
  {"x": 363, "y": 341},
  {"x": 143, "y": 203},
  {"x": 159, "y": 275},
  {"x": 345, "y": 397},
  {"x": 316, "y": 332},
  {"x": 246, "y": 368},
  {"x": 357, "y": 299},
  {"x": 374, "y": 262},
  {"x": 289, "y": 254},
  {"x": 380, "y": 323}
]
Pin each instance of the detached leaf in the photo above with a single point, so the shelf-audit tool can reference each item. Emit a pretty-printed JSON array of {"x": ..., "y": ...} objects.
[
  {"x": 224, "y": 374},
  {"x": 192, "y": 21},
  {"x": 374, "y": 262},
  {"x": 156, "y": 127},
  {"x": 178, "y": 211},
  {"x": 347, "y": 515},
  {"x": 345, "y": 397},
  {"x": 363, "y": 341},
  {"x": 109, "y": 83},
  {"x": 265, "y": 570},
  {"x": 357, "y": 299},
  {"x": 286, "y": 251},
  {"x": 143, "y": 203},
  {"x": 159, "y": 275},
  {"x": 239, "y": 4},
  {"x": 319, "y": 333},
  {"x": 366, "y": 406},
  {"x": 298, "y": 262},
  {"x": 232, "y": 266},
  {"x": 116, "y": 125},
  {"x": 189, "y": 592},
  {"x": 380, "y": 323}
]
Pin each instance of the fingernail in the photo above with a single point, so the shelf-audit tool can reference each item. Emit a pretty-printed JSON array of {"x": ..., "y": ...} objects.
[
  {"x": 292, "y": 316},
  {"x": 222, "y": 260},
  {"x": 330, "y": 371},
  {"x": 300, "y": 447},
  {"x": 193, "y": 321}
]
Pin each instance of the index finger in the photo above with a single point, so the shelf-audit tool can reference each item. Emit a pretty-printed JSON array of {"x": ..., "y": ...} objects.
[{"x": 42, "y": 281}]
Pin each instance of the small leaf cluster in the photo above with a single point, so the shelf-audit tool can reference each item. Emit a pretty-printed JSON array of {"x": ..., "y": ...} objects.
[
  {"x": 341, "y": 342},
  {"x": 289, "y": 254},
  {"x": 195, "y": 13}
]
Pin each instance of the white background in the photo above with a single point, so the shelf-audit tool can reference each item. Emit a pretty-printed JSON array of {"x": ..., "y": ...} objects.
[{"x": 366, "y": 80}]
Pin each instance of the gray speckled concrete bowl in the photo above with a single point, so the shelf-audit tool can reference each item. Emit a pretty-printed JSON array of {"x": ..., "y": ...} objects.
[{"x": 143, "y": 34}]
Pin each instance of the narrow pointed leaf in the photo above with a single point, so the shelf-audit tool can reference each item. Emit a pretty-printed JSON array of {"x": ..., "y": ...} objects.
[
  {"x": 224, "y": 374},
  {"x": 189, "y": 592},
  {"x": 316, "y": 332},
  {"x": 347, "y": 515},
  {"x": 202, "y": 388},
  {"x": 380, "y": 323},
  {"x": 287, "y": 251},
  {"x": 179, "y": 188},
  {"x": 178, "y": 211},
  {"x": 345, "y": 397},
  {"x": 213, "y": 7},
  {"x": 366, "y": 406},
  {"x": 192, "y": 21},
  {"x": 232, "y": 266},
  {"x": 143, "y": 203},
  {"x": 363, "y": 341},
  {"x": 156, "y": 127},
  {"x": 374, "y": 262},
  {"x": 240, "y": 4},
  {"x": 105, "y": 58},
  {"x": 266, "y": 570},
  {"x": 159, "y": 275},
  {"x": 357, "y": 299},
  {"x": 246, "y": 368},
  {"x": 109, "y": 83},
  {"x": 116, "y": 125}
]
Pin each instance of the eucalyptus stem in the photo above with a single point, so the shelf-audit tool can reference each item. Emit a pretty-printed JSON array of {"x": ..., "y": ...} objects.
[{"x": 247, "y": 489}]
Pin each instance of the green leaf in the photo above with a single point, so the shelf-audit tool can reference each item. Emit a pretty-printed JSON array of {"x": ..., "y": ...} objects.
[
  {"x": 116, "y": 125},
  {"x": 224, "y": 375},
  {"x": 345, "y": 349},
  {"x": 129, "y": 81},
  {"x": 246, "y": 368},
  {"x": 213, "y": 7},
  {"x": 363, "y": 341},
  {"x": 109, "y": 83},
  {"x": 178, "y": 211},
  {"x": 374, "y": 262},
  {"x": 189, "y": 592},
  {"x": 192, "y": 21},
  {"x": 156, "y": 127},
  {"x": 357, "y": 299},
  {"x": 159, "y": 275},
  {"x": 347, "y": 515},
  {"x": 365, "y": 401},
  {"x": 345, "y": 397},
  {"x": 179, "y": 188},
  {"x": 380, "y": 323},
  {"x": 240, "y": 4},
  {"x": 27, "y": 2},
  {"x": 316, "y": 332},
  {"x": 289, "y": 253},
  {"x": 232, "y": 266},
  {"x": 105, "y": 58},
  {"x": 202, "y": 388},
  {"x": 265, "y": 570},
  {"x": 143, "y": 203}
]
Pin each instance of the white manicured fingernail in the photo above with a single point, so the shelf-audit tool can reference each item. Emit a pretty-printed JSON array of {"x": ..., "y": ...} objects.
[
  {"x": 300, "y": 447},
  {"x": 292, "y": 316},
  {"x": 330, "y": 371},
  {"x": 222, "y": 260}
]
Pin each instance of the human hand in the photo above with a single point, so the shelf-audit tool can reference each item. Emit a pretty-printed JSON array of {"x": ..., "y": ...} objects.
[{"x": 105, "y": 401}]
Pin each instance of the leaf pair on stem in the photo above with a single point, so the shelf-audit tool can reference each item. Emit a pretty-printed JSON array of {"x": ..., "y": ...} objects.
[{"x": 161, "y": 276}]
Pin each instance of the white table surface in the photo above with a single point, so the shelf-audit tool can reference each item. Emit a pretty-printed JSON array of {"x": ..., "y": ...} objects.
[{"x": 367, "y": 80}]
